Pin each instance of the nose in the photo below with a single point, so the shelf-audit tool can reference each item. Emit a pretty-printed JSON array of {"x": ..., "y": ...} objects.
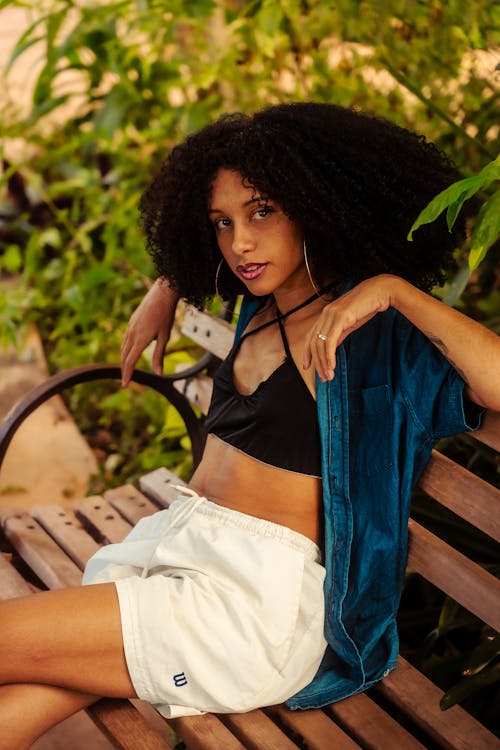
[{"x": 243, "y": 239}]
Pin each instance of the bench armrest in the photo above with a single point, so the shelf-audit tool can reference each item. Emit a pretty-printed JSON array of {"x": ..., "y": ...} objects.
[{"x": 163, "y": 384}]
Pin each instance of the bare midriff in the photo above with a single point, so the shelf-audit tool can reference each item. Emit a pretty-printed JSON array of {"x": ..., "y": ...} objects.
[{"x": 228, "y": 477}]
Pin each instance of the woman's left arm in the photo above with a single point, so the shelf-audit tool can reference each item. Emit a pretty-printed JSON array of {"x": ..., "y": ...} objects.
[{"x": 472, "y": 349}]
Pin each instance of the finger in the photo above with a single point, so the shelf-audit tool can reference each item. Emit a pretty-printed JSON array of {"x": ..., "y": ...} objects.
[
  {"x": 127, "y": 342},
  {"x": 326, "y": 345},
  {"x": 319, "y": 352},
  {"x": 330, "y": 357},
  {"x": 127, "y": 370},
  {"x": 159, "y": 353},
  {"x": 125, "y": 345},
  {"x": 128, "y": 363}
]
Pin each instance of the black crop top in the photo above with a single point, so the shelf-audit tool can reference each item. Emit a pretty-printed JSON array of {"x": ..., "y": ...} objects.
[{"x": 277, "y": 423}]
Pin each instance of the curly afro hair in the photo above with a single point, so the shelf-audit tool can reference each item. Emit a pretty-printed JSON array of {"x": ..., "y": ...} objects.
[{"x": 354, "y": 183}]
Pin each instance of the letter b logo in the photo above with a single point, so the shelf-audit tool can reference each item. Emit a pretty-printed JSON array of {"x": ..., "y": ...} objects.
[{"x": 180, "y": 679}]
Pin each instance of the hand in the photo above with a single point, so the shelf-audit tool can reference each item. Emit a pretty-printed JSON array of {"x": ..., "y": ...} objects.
[
  {"x": 343, "y": 316},
  {"x": 153, "y": 319}
]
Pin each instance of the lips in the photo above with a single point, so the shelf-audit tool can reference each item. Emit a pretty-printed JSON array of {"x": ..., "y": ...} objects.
[{"x": 250, "y": 271}]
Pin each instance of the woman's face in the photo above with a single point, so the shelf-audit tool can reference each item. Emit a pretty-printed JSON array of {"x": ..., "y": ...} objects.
[{"x": 260, "y": 244}]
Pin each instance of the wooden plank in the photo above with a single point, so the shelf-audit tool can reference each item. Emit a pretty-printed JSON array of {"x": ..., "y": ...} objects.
[
  {"x": 159, "y": 485},
  {"x": 39, "y": 550},
  {"x": 125, "y": 726},
  {"x": 197, "y": 390},
  {"x": 419, "y": 698},
  {"x": 256, "y": 731},
  {"x": 318, "y": 730},
  {"x": 101, "y": 520},
  {"x": 464, "y": 493},
  {"x": 489, "y": 432},
  {"x": 12, "y": 584},
  {"x": 456, "y": 575},
  {"x": 213, "y": 334},
  {"x": 372, "y": 727},
  {"x": 130, "y": 503},
  {"x": 205, "y": 732},
  {"x": 67, "y": 531}
]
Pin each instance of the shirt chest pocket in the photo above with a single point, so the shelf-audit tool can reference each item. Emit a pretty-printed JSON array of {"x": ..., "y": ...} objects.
[{"x": 371, "y": 425}]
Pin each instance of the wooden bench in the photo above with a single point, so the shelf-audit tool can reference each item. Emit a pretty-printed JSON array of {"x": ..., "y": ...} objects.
[{"x": 48, "y": 548}]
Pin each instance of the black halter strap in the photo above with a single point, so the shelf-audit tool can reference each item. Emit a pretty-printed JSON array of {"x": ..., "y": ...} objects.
[{"x": 281, "y": 316}]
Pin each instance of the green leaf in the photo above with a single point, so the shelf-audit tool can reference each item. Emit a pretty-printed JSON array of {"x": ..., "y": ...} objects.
[
  {"x": 12, "y": 259},
  {"x": 454, "y": 196},
  {"x": 453, "y": 616},
  {"x": 110, "y": 116},
  {"x": 25, "y": 41},
  {"x": 483, "y": 655},
  {"x": 486, "y": 230},
  {"x": 470, "y": 685},
  {"x": 96, "y": 277}
]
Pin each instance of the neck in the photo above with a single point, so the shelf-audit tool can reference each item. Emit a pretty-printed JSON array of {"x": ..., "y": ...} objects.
[{"x": 286, "y": 305}]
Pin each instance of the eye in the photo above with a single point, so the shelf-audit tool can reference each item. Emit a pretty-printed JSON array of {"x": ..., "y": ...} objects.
[
  {"x": 222, "y": 224},
  {"x": 262, "y": 212}
]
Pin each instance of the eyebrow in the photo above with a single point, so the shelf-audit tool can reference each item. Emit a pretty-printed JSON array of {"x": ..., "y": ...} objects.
[{"x": 256, "y": 199}]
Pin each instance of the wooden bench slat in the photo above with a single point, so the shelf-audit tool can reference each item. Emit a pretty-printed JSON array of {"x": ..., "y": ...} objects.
[
  {"x": 489, "y": 432},
  {"x": 67, "y": 531},
  {"x": 205, "y": 732},
  {"x": 197, "y": 390},
  {"x": 39, "y": 550},
  {"x": 371, "y": 725},
  {"x": 463, "y": 580},
  {"x": 419, "y": 698},
  {"x": 101, "y": 519},
  {"x": 256, "y": 730},
  {"x": 213, "y": 334},
  {"x": 315, "y": 727},
  {"x": 12, "y": 584},
  {"x": 125, "y": 727},
  {"x": 131, "y": 504},
  {"x": 159, "y": 485},
  {"x": 464, "y": 493}
]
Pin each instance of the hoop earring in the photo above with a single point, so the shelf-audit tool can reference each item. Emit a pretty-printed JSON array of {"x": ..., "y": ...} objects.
[
  {"x": 217, "y": 290},
  {"x": 313, "y": 283}
]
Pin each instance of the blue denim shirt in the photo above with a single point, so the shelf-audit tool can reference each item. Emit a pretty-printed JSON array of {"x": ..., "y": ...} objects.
[{"x": 393, "y": 396}]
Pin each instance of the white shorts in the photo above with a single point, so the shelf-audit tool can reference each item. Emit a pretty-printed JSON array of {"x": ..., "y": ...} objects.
[{"x": 220, "y": 611}]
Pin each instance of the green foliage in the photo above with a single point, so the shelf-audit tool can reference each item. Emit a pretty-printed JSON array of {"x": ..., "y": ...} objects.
[{"x": 487, "y": 225}]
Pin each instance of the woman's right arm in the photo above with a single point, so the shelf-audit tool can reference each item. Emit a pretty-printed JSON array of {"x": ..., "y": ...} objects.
[{"x": 153, "y": 319}]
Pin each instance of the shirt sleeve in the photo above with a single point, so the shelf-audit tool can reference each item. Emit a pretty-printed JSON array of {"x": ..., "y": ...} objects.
[{"x": 433, "y": 389}]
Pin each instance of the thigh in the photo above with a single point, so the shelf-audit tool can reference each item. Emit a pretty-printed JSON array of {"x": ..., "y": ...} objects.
[{"x": 70, "y": 638}]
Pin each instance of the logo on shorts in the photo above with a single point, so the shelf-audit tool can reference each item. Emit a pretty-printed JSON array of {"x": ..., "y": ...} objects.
[{"x": 180, "y": 679}]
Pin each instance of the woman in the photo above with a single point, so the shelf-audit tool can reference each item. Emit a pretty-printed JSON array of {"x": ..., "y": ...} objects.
[{"x": 277, "y": 574}]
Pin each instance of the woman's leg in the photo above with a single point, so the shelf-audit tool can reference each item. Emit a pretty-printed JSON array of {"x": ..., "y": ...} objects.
[
  {"x": 28, "y": 711},
  {"x": 69, "y": 638}
]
